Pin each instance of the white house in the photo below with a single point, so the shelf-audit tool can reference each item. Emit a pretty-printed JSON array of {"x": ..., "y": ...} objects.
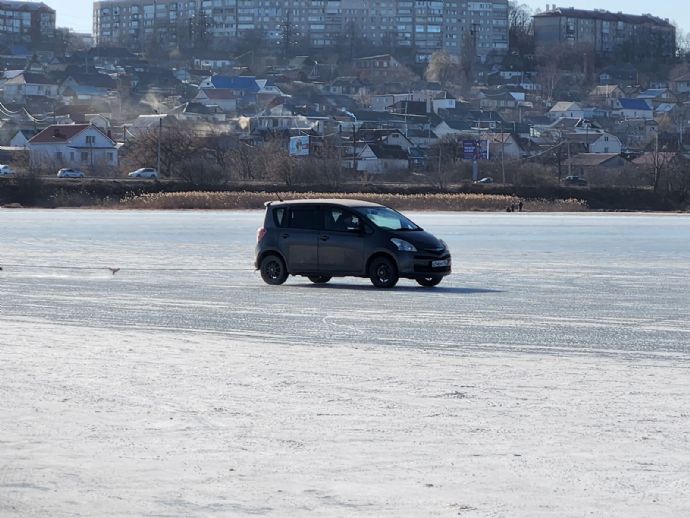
[
  {"x": 503, "y": 145},
  {"x": 28, "y": 84},
  {"x": 605, "y": 143},
  {"x": 566, "y": 110},
  {"x": 224, "y": 98},
  {"x": 76, "y": 145},
  {"x": 22, "y": 137},
  {"x": 377, "y": 158},
  {"x": 597, "y": 141}
]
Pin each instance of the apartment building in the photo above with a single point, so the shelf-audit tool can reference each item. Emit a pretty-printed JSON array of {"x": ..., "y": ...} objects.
[
  {"x": 422, "y": 25},
  {"x": 642, "y": 36},
  {"x": 26, "y": 22}
]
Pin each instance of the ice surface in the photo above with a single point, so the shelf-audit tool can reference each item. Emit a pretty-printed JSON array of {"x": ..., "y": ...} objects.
[{"x": 549, "y": 376}]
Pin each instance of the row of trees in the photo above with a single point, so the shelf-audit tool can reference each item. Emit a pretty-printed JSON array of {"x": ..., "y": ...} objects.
[{"x": 212, "y": 159}]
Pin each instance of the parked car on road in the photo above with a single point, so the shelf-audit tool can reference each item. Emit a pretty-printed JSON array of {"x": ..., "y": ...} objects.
[
  {"x": 488, "y": 179},
  {"x": 575, "y": 180},
  {"x": 144, "y": 172},
  {"x": 67, "y": 172},
  {"x": 322, "y": 239},
  {"x": 6, "y": 170}
]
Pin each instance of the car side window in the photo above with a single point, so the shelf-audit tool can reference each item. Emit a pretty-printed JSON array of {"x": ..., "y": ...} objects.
[
  {"x": 340, "y": 220},
  {"x": 305, "y": 217}
]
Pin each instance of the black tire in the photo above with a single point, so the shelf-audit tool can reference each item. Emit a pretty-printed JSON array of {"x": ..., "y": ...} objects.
[
  {"x": 429, "y": 282},
  {"x": 273, "y": 270},
  {"x": 383, "y": 273},
  {"x": 319, "y": 279}
]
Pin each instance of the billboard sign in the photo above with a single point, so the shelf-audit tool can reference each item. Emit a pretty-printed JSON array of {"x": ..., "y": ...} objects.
[
  {"x": 475, "y": 149},
  {"x": 299, "y": 146}
]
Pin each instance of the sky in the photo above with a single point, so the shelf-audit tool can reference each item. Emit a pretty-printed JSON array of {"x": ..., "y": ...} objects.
[{"x": 77, "y": 13}]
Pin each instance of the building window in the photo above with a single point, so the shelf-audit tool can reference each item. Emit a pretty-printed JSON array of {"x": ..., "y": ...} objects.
[
  {"x": 84, "y": 156},
  {"x": 90, "y": 140}
]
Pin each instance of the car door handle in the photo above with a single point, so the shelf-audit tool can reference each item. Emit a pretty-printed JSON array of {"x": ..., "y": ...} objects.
[
  {"x": 325, "y": 238},
  {"x": 285, "y": 236}
]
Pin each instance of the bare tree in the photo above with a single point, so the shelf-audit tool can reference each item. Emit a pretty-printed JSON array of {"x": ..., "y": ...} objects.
[
  {"x": 442, "y": 69},
  {"x": 520, "y": 29},
  {"x": 442, "y": 161}
]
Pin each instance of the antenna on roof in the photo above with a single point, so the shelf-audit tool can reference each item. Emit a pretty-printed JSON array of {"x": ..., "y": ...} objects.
[{"x": 279, "y": 198}]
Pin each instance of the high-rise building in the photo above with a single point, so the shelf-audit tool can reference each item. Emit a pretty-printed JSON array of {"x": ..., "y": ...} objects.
[
  {"x": 640, "y": 37},
  {"x": 422, "y": 25},
  {"x": 26, "y": 22}
]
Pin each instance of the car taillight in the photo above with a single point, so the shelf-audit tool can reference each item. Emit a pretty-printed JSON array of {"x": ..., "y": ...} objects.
[{"x": 260, "y": 234}]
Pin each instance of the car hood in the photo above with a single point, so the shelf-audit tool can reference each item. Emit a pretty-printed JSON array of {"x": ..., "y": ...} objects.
[{"x": 421, "y": 239}]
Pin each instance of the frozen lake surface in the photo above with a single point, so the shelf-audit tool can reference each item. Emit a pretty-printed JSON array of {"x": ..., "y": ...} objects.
[{"x": 549, "y": 376}]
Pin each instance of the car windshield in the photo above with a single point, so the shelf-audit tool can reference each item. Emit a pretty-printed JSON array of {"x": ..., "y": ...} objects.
[{"x": 387, "y": 219}]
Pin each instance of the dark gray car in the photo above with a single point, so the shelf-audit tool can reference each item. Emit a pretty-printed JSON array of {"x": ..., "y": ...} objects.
[{"x": 322, "y": 239}]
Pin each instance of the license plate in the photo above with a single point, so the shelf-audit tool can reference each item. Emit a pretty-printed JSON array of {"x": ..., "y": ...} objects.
[{"x": 439, "y": 264}]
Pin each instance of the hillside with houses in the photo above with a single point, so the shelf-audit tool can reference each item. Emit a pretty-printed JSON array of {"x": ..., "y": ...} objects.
[{"x": 572, "y": 116}]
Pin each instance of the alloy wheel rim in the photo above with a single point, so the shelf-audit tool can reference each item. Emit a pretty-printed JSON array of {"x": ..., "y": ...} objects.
[
  {"x": 273, "y": 270},
  {"x": 383, "y": 273}
]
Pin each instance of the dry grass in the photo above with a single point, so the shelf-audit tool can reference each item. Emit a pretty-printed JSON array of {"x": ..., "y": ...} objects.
[{"x": 256, "y": 200}]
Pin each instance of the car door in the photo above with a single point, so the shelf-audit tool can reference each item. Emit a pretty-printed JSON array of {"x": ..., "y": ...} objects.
[
  {"x": 341, "y": 242},
  {"x": 298, "y": 241}
]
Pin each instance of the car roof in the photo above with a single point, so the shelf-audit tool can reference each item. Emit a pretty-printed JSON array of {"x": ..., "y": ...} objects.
[{"x": 325, "y": 201}]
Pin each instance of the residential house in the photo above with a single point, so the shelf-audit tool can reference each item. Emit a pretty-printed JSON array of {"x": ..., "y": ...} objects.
[
  {"x": 605, "y": 96},
  {"x": 213, "y": 60},
  {"x": 657, "y": 96},
  {"x": 503, "y": 145},
  {"x": 225, "y": 99},
  {"x": 454, "y": 127},
  {"x": 76, "y": 145},
  {"x": 248, "y": 89},
  {"x": 497, "y": 100},
  {"x": 681, "y": 84},
  {"x": 566, "y": 110},
  {"x": 86, "y": 87},
  {"x": 347, "y": 85},
  {"x": 197, "y": 112},
  {"x": 27, "y": 84},
  {"x": 596, "y": 142},
  {"x": 378, "y": 67},
  {"x": 633, "y": 109},
  {"x": 22, "y": 137},
  {"x": 148, "y": 123},
  {"x": 635, "y": 133},
  {"x": 377, "y": 159},
  {"x": 584, "y": 164}
]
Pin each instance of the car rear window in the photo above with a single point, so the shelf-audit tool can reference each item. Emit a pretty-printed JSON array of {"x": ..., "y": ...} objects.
[{"x": 279, "y": 217}]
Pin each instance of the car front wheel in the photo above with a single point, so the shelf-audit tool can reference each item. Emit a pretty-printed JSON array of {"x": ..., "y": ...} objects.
[
  {"x": 319, "y": 279},
  {"x": 429, "y": 282},
  {"x": 273, "y": 270},
  {"x": 383, "y": 273}
]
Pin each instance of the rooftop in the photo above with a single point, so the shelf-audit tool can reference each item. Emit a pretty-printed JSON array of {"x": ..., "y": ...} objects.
[{"x": 601, "y": 14}]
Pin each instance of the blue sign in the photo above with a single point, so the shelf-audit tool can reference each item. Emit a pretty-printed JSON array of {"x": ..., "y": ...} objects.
[{"x": 472, "y": 150}]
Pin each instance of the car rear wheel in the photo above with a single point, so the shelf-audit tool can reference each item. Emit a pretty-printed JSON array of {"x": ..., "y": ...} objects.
[
  {"x": 383, "y": 273},
  {"x": 273, "y": 270},
  {"x": 319, "y": 279},
  {"x": 429, "y": 282}
]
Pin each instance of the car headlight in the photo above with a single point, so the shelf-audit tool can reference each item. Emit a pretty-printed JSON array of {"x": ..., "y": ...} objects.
[{"x": 403, "y": 246}]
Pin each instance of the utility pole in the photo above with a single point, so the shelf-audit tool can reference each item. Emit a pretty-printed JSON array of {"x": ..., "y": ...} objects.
[
  {"x": 354, "y": 147},
  {"x": 160, "y": 136},
  {"x": 503, "y": 148}
]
